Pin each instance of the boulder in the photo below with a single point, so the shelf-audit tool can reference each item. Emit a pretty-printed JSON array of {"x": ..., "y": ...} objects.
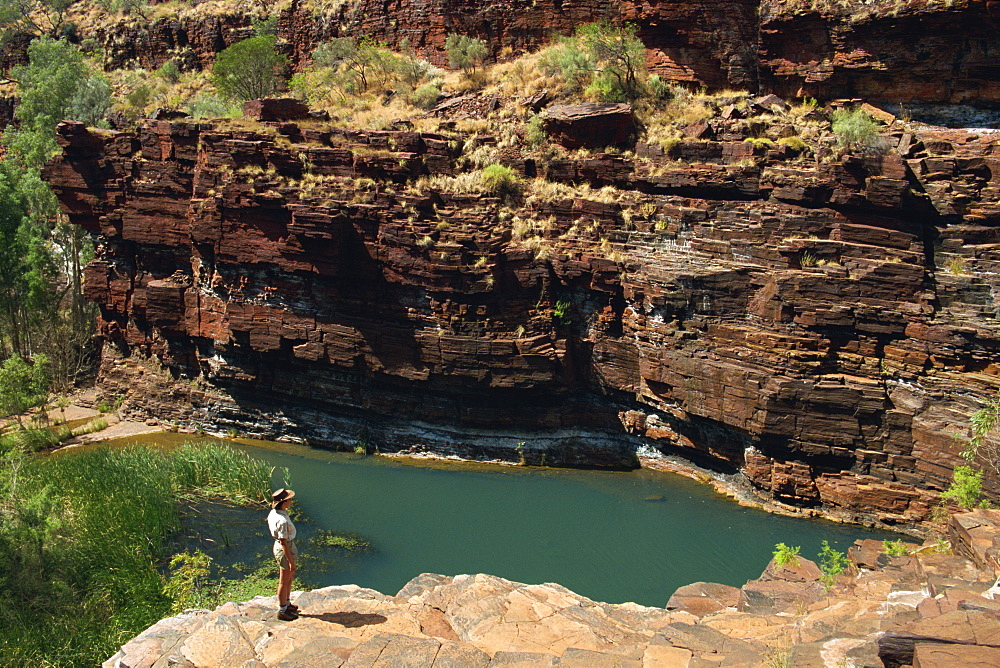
[
  {"x": 704, "y": 598},
  {"x": 275, "y": 109},
  {"x": 591, "y": 125}
]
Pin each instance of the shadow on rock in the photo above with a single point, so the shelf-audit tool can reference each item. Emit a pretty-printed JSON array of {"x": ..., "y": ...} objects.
[{"x": 351, "y": 620}]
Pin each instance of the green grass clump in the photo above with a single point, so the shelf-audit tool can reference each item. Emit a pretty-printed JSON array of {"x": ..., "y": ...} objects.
[
  {"x": 34, "y": 439},
  {"x": 795, "y": 143},
  {"x": 217, "y": 471},
  {"x": 501, "y": 181}
]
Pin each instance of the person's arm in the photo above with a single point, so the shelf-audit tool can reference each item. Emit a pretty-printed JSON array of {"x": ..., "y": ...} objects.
[{"x": 286, "y": 544}]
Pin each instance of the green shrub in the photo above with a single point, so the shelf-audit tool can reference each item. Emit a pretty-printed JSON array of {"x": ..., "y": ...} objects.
[
  {"x": 249, "y": 70},
  {"x": 894, "y": 548},
  {"x": 426, "y": 96},
  {"x": 170, "y": 71},
  {"x": 659, "y": 88},
  {"x": 501, "y": 181},
  {"x": 620, "y": 57},
  {"x": 23, "y": 385},
  {"x": 569, "y": 61},
  {"x": 535, "y": 134},
  {"x": 110, "y": 405},
  {"x": 205, "y": 105},
  {"x": 831, "y": 563},
  {"x": 966, "y": 488},
  {"x": 785, "y": 555},
  {"x": 606, "y": 61},
  {"x": 855, "y": 129},
  {"x": 189, "y": 574},
  {"x": 91, "y": 102},
  {"x": 358, "y": 65},
  {"x": 464, "y": 52},
  {"x": 265, "y": 26}
]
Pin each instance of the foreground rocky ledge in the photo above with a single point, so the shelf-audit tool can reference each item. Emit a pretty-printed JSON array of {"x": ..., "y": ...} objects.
[{"x": 921, "y": 610}]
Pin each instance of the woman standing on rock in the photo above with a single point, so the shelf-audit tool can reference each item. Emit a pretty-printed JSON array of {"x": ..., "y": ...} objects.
[{"x": 285, "y": 553}]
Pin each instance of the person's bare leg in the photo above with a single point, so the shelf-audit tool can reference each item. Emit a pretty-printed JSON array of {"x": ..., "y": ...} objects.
[
  {"x": 288, "y": 585},
  {"x": 284, "y": 586}
]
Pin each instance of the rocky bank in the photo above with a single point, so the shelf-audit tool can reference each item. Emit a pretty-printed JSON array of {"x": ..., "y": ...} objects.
[{"x": 925, "y": 610}]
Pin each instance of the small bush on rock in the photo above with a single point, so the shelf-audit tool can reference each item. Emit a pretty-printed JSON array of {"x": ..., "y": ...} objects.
[
  {"x": 832, "y": 563},
  {"x": 855, "y": 129},
  {"x": 966, "y": 488},
  {"x": 895, "y": 548},
  {"x": 785, "y": 555}
]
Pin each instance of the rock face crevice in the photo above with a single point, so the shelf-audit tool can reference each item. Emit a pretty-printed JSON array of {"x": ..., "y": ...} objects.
[{"x": 827, "y": 327}]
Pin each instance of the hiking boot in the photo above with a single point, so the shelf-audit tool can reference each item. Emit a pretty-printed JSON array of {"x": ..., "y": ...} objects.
[
  {"x": 287, "y": 616},
  {"x": 292, "y": 608}
]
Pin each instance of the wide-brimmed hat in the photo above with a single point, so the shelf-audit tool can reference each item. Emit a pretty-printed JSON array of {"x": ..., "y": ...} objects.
[{"x": 281, "y": 495}]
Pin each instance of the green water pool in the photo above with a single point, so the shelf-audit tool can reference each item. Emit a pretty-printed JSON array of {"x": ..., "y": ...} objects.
[{"x": 611, "y": 536}]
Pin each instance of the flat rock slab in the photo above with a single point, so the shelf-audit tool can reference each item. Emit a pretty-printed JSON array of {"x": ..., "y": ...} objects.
[{"x": 948, "y": 656}]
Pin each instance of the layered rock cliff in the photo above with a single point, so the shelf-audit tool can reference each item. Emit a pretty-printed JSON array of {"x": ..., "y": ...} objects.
[
  {"x": 892, "y": 51},
  {"x": 827, "y": 326}
]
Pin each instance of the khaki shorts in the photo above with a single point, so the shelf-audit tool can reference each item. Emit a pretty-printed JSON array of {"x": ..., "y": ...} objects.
[{"x": 282, "y": 558}]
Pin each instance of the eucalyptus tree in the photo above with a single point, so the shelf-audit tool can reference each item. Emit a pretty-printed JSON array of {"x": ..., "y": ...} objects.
[
  {"x": 249, "y": 70},
  {"x": 42, "y": 298},
  {"x": 32, "y": 17}
]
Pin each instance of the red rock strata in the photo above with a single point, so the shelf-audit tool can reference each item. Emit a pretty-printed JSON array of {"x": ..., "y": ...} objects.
[
  {"x": 827, "y": 326},
  {"x": 887, "y": 50},
  {"x": 891, "y": 51}
]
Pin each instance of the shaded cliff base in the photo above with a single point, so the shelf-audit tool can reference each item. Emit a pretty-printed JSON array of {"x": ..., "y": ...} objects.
[
  {"x": 926, "y": 609},
  {"x": 153, "y": 400}
]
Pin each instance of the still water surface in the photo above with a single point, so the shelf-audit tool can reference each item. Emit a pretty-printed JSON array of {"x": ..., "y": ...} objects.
[{"x": 610, "y": 536}]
